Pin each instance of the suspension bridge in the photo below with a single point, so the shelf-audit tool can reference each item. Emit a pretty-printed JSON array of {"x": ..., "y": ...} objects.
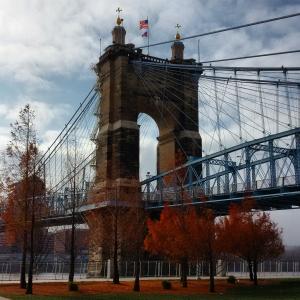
[{"x": 223, "y": 133}]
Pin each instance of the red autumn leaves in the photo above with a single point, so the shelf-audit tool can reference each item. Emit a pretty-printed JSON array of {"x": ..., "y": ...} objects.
[{"x": 184, "y": 234}]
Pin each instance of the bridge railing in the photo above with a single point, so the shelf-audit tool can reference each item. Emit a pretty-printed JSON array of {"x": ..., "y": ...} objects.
[
  {"x": 62, "y": 203},
  {"x": 177, "y": 194}
]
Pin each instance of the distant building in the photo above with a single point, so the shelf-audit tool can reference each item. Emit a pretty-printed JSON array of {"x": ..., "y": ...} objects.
[
  {"x": 4, "y": 247},
  {"x": 62, "y": 242}
]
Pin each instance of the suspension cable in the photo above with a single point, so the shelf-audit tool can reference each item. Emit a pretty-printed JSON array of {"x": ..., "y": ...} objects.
[
  {"x": 251, "y": 56},
  {"x": 225, "y": 29}
]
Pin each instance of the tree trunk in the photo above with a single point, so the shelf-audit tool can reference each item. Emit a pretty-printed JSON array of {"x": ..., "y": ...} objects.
[
  {"x": 116, "y": 278},
  {"x": 72, "y": 246},
  {"x": 211, "y": 273},
  {"x": 23, "y": 264},
  {"x": 136, "y": 286},
  {"x": 31, "y": 261},
  {"x": 24, "y": 254},
  {"x": 250, "y": 267},
  {"x": 30, "y": 272},
  {"x": 184, "y": 268},
  {"x": 255, "y": 272},
  {"x": 72, "y": 251}
]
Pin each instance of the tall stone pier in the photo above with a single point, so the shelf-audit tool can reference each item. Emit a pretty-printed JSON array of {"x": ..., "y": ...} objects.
[{"x": 124, "y": 95}]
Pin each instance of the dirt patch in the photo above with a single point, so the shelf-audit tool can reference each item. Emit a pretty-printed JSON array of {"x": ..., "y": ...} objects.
[{"x": 147, "y": 286}]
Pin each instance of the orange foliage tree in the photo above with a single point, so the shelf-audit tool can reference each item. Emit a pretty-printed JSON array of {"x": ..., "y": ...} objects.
[
  {"x": 22, "y": 184},
  {"x": 250, "y": 235},
  {"x": 134, "y": 225},
  {"x": 169, "y": 237},
  {"x": 204, "y": 233},
  {"x": 17, "y": 208},
  {"x": 183, "y": 235}
]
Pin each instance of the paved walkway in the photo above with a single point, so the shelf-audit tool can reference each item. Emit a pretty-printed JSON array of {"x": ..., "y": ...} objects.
[{"x": 2, "y": 298}]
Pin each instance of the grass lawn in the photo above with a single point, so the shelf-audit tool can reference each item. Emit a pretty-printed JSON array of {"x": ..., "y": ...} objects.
[{"x": 275, "y": 290}]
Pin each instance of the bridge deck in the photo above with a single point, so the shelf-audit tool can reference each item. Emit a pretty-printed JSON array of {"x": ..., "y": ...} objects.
[{"x": 286, "y": 197}]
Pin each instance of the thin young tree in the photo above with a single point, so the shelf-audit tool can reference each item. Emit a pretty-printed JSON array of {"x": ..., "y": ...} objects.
[
  {"x": 113, "y": 226},
  {"x": 203, "y": 228},
  {"x": 139, "y": 229},
  {"x": 36, "y": 207},
  {"x": 72, "y": 163},
  {"x": 116, "y": 216},
  {"x": 13, "y": 217},
  {"x": 20, "y": 166},
  {"x": 134, "y": 225}
]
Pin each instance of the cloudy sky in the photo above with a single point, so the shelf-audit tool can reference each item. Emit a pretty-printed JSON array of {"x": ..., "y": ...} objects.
[{"x": 47, "y": 48}]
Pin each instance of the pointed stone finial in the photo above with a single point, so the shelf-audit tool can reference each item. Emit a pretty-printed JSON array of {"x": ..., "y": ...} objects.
[
  {"x": 177, "y": 47},
  {"x": 177, "y": 36},
  {"x": 119, "y": 32},
  {"x": 119, "y": 20}
]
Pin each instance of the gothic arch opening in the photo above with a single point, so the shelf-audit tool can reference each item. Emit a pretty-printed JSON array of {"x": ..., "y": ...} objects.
[{"x": 149, "y": 133}]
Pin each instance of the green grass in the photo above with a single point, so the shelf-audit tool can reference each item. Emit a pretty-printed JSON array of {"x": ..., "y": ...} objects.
[
  {"x": 288, "y": 289},
  {"x": 281, "y": 289}
]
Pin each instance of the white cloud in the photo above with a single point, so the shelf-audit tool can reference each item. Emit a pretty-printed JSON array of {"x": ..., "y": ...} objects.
[
  {"x": 4, "y": 138},
  {"x": 3, "y": 110},
  {"x": 148, "y": 156},
  {"x": 47, "y": 115},
  {"x": 39, "y": 38},
  {"x": 47, "y": 139}
]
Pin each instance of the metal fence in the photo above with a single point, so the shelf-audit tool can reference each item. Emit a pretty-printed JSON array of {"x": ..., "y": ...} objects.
[
  {"x": 266, "y": 269},
  {"x": 10, "y": 271}
]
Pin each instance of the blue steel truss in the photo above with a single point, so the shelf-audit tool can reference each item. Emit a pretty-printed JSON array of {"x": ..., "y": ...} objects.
[{"x": 196, "y": 183}]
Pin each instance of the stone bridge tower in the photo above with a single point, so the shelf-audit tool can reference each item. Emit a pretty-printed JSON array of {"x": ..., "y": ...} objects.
[{"x": 123, "y": 97}]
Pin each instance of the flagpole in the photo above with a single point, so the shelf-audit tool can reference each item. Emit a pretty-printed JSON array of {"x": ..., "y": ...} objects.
[
  {"x": 198, "y": 51},
  {"x": 100, "y": 46},
  {"x": 148, "y": 34}
]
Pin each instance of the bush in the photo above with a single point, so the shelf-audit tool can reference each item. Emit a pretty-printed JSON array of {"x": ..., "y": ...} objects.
[
  {"x": 231, "y": 279},
  {"x": 166, "y": 285},
  {"x": 73, "y": 286}
]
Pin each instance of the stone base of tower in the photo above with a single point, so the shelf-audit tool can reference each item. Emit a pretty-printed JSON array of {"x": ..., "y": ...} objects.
[
  {"x": 97, "y": 266},
  {"x": 97, "y": 222},
  {"x": 110, "y": 220}
]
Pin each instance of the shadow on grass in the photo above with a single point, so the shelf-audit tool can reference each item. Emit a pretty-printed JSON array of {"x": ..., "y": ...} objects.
[{"x": 288, "y": 289}]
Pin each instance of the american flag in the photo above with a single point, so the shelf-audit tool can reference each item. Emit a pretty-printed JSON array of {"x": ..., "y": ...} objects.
[{"x": 144, "y": 24}]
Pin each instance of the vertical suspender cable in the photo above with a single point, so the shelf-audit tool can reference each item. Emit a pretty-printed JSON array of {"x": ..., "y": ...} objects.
[
  {"x": 288, "y": 99},
  {"x": 218, "y": 112},
  {"x": 55, "y": 167},
  {"x": 299, "y": 105},
  {"x": 238, "y": 106},
  {"x": 261, "y": 104},
  {"x": 277, "y": 108}
]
